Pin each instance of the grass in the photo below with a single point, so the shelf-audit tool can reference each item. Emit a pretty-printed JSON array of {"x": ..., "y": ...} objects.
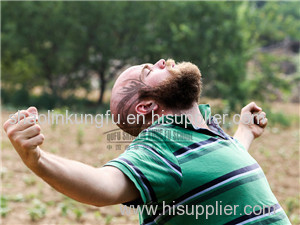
[
  {"x": 80, "y": 135},
  {"x": 29, "y": 180},
  {"x": 37, "y": 210},
  {"x": 291, "y": 204},
  {"x": 277, "y": 151},
  {"x": 4, "y": 209}
]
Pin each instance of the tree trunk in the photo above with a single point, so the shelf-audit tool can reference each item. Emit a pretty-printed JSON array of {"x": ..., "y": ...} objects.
[{"x": 102, "y": 86}]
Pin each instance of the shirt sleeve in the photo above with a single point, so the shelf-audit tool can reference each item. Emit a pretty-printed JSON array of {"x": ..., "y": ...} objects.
[{"x": 152, "y": 168}]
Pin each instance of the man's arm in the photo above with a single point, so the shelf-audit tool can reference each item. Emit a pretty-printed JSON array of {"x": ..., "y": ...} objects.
[
  {"x": 252, "y": 124},
  {"x": 94, "y": 186}
]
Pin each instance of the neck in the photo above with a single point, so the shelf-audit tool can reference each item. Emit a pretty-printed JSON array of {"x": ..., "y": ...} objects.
[{"x": 193, "y": 114}]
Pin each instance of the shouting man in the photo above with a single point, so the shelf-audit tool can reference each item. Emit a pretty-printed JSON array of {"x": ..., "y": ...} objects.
[{"x": 181, "y": 164}]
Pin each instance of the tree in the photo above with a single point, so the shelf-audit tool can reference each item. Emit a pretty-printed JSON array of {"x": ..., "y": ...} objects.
[
  {"x": 60, "y": 44},
  {"x": 40, "y": 37}
]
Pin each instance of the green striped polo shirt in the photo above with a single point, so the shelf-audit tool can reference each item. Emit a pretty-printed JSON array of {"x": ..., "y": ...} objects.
[{"x": 196, "y": 176}]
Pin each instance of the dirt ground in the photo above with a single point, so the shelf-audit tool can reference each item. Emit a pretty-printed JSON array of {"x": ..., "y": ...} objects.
[{"x": 26, "y": 199}]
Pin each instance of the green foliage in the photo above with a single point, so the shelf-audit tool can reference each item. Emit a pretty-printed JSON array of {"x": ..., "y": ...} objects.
[
  {"x": 3, "y": 170},
  {"x": 44, "y": 101},
  {"x": 291, "y": 203},
  {"x": 69, "y": 205},
  {"x": 80, "y": 135},
  {"x": 17, "y": 198},
  {"x": 108, "y": 219},
  {"x": 292, "y": 206},
  {"x": 97, "y": 215},
  {"x": 4, "y": 209},
  {"x": 30, "y": 196},
  {"x": 277, "y": 118},
  {"x": 78, "y": 213},
  {"x": 37, "y": 211},
  {"x": 29, "y": 180},
  {"x": 274, "y": 22},
  {"x": 20, "y": 97},
  {"x": 59, "y": 45},
  {"x": 265, "y": 81},
  {"x": 64, "y": 208}
]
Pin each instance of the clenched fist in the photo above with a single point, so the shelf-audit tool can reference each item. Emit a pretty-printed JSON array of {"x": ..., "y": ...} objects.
[
  {"x": 252, "y": 124},
  {"x": 25, "y": 135},
  {"x": 253, "y": 119}
]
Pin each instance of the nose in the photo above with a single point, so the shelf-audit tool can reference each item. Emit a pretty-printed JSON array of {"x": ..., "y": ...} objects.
[{"x": 161, "y": 63}]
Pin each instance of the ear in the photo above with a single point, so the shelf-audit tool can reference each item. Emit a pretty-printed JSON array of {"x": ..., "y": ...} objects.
[{"x": 145, "y": 107}]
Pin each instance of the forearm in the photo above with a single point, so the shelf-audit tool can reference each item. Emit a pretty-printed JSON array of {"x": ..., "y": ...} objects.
[
  {"x": 74, "y": 179},
  {"x": 244, "y": 137},
  {"x": 95, "y": 186}
]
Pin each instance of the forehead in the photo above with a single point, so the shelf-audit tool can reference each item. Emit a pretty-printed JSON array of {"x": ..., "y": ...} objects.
[
  {"x": 131, "y": 73},
  {"x": 133, "y": 69}
]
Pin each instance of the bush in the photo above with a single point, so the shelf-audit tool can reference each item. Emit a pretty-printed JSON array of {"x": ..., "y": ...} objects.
[
  {"x": 277, "y": 118},
  {"x": 4, "y": 96},
  {"x": 20, "y": 97},
  {"x": 44, "y": 101}
]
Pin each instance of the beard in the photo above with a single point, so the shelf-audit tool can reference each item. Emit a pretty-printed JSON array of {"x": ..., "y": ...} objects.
[{"x": 180, "y": 90}]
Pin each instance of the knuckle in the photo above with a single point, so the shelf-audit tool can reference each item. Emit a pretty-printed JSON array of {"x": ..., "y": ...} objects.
[
  {"x": 25, "y": 112},
  {"x": 40, "y": 139},
  {"x": 10, "y": 133},
  {"x": 37, "y": 128},
  {"x": 18, "y": 140},
  {"x": 24, "y": 144},
  {"x": 5, "y": 125}
]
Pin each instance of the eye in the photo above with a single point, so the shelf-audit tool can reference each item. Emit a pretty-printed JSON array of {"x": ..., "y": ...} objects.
[
  {"x": 149, "y": 70},
  {"x": 148, "y": 73}
]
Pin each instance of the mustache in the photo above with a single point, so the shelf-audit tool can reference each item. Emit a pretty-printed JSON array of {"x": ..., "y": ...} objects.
[
  {"x": 181, "y": 68},
  {"x": 172, "y": 67},
  {"x": 170, "y": 63}
]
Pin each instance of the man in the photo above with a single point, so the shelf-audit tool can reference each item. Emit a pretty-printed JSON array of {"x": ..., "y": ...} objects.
[{"x": 181, "y": 162}]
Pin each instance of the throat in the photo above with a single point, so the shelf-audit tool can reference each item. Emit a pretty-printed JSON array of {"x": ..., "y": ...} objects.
[{"x": 194, "y": 115}]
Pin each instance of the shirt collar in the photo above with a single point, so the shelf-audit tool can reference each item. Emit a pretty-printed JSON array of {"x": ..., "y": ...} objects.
[{"x": 182, "y": 120}]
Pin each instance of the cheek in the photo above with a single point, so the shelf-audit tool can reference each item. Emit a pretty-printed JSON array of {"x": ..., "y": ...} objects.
[
  {"x": 152, "y": 82},
  {"x": 157, "y": 78}
]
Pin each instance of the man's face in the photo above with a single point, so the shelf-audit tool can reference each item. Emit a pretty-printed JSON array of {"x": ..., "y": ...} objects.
[
  {"x": 178, "y": 90},
  {"x": 151, "y": 74},
  {"x": 128, "y": 84},
  {"x": 170, "y": 85}
]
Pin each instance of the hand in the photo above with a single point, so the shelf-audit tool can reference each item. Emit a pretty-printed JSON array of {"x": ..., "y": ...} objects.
[
  {"x": 253, "y": 120},
  {"x": 25, "y": 135}
]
